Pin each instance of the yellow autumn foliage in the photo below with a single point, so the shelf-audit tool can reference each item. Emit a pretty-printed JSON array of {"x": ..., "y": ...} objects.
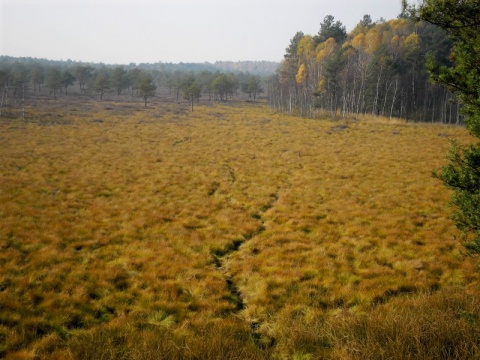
[
  {"x": 305, "y": 48},
  {"x": 321, "y": 86},
  {"x": 300, "y": 77},
  {"x": 325, "y": 49},
  {"x": 358, "y": 41},
  {"x": 411, "y": 43}
]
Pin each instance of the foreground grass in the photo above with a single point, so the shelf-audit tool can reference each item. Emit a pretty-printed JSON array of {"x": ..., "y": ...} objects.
[{"x": 229, "y": 232}]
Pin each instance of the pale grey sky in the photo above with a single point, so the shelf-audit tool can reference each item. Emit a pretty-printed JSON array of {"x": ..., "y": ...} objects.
[{"x": 124, "y": 31}]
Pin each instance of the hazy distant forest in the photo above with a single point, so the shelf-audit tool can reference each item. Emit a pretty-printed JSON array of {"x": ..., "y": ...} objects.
[
  {"x": 378, "y": 68},
  {"x": 23, "y": 78}
]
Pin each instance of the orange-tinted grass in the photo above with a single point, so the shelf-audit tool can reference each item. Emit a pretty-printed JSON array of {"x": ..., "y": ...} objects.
[{"x": 128, "y": 218}]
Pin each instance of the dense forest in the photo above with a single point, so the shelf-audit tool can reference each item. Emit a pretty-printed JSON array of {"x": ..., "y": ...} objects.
[{"x": 378, "y": 69}]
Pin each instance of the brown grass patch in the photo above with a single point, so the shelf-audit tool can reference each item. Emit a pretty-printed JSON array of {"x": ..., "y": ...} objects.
[{"x": 122, "y": 228}]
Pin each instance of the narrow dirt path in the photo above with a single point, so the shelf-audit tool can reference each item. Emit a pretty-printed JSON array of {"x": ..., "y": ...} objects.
[{"x": 221, "y": 256}]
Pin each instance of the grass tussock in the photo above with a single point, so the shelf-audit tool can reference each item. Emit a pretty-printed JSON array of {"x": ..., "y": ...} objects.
[
  {"x": 229, "y": 232},
  {"x": 430, "y": 326}
]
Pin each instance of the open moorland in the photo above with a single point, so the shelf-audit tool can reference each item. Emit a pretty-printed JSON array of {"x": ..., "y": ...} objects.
[{"x": 229, "y": 232}]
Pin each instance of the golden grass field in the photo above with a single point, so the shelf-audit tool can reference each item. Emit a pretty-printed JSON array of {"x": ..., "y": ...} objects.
[{"x": 230, "y": 232}]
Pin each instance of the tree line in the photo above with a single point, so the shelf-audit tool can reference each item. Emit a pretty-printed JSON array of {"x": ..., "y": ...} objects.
[
  {"x": 261, "y": 68},
  {"x": 378, "y": 69},
  {"x": 24, "y": 78}
]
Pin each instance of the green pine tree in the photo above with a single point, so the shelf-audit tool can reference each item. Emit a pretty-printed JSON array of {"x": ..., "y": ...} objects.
[
  {"x": 461, "y": 20},
  {"x": 192, "y": 92},
  {"x": 146, "y": 87}
]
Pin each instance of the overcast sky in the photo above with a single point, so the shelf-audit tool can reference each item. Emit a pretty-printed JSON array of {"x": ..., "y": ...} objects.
[{"x": 125, "y": 31}]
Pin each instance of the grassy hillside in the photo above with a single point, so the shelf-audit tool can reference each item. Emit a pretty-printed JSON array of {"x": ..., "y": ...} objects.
[{"x": 228, "y": 233}]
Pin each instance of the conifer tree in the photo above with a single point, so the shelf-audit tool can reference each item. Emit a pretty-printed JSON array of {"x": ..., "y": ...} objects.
[
  {"x": 461, "y": 20},
  {"x": 54, "y": 80},
  {"x": 146, "y": 87},
  {"x": 101, "y": 83},
  {"x": 330, "y": 28},
  {"x": 192, "y": 92},
  {"x": 119, "y": 79}
]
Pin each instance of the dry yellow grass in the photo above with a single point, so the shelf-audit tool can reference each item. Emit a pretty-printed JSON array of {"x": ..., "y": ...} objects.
[{"x": 176, "y": 224}]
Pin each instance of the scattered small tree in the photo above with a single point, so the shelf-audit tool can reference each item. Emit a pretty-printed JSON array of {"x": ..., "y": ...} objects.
[
  {"x": 146, "y": 87},
  {"x": 192, "y": 92},
  {"x": 101, "y": 83},
  {"x": 83, "y": 74},
  {"x": 134, "y": 75},
  {"x": 252, "y": 86},
  {"x": 224, "y": 85},
  {"x": 38, "y": 76},
  {"x": 67, "y": 80},
  {"x": 54, "y": 80},
  {"x": 119, "y": 79},
  {"x": 4, "y": 83}
]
